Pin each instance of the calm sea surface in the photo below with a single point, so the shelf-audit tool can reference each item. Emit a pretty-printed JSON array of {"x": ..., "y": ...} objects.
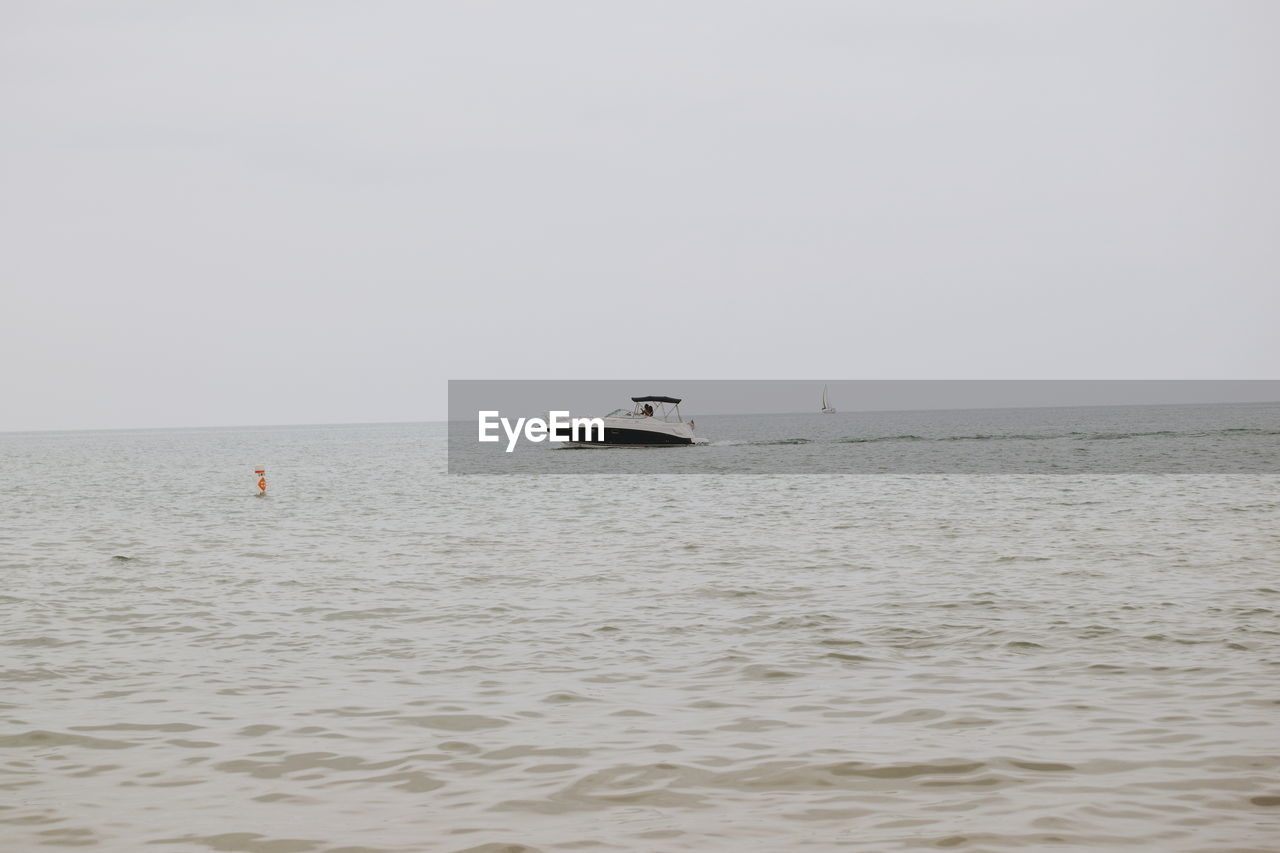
[{"x": 379, "y": 656}]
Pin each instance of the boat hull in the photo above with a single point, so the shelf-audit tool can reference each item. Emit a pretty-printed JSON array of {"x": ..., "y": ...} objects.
[
  {"x": 622, "y": 437},
  {"x": 640, "y": 432}
]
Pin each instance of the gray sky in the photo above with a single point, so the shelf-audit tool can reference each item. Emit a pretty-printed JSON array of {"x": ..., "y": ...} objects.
[{"x": 231, "y": 213}]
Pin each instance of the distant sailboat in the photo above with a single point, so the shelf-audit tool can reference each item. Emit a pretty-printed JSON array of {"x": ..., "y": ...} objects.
[{"x": 826, "y": 407}]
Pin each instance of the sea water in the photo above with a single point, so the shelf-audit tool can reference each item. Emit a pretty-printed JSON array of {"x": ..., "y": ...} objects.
[{"x": 381, "y": 656}]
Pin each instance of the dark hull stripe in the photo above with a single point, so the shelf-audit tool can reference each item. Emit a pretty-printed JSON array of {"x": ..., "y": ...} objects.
[{"x": 613, "y": 435}]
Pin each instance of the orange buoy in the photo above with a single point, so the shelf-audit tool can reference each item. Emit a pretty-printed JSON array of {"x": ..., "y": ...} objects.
[{"x": 262, "y": 480}]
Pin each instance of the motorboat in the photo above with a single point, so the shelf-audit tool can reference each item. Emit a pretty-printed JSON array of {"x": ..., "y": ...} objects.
[{"x": 652, "y": 421}]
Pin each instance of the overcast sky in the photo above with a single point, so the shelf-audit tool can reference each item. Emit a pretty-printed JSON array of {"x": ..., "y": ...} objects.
[{"x": 236, "y": 213}]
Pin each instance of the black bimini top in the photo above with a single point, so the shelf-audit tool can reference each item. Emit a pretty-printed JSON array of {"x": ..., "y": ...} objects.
[{"x": 674, "y": 400}]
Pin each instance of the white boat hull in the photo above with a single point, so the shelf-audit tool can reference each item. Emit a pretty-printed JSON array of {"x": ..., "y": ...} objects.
[{"x": 643, "y": 432}]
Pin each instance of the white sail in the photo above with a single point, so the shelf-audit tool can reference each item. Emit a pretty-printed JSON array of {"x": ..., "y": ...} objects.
[{"x": 826, "y": 407}]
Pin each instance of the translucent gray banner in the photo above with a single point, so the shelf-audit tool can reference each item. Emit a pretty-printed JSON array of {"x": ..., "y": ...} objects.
[{"x": 867, "y": 427}]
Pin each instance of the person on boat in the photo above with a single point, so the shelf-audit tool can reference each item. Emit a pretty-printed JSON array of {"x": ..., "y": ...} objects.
[{"x": 648, "y": 410}]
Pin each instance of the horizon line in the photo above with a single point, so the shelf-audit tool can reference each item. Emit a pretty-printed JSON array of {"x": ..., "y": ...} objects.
[{"x": 334, "y": 424}]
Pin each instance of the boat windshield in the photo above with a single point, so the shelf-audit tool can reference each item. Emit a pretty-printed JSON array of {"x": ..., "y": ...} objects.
[{"x": 663, "y": 412}]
